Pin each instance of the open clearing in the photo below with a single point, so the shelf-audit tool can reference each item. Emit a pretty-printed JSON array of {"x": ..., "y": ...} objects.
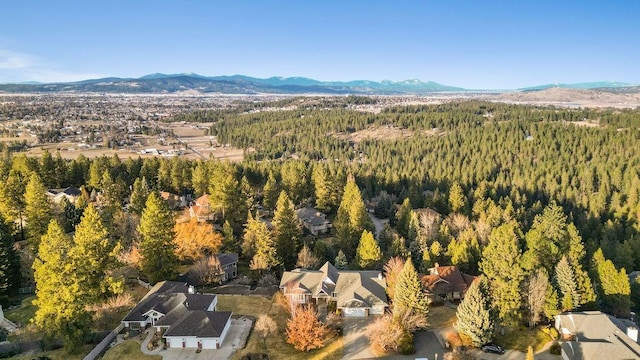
[{"x": 382, "y": 133}]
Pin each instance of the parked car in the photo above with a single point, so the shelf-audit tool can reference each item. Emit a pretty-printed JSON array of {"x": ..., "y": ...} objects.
[{"x": 492, "y": 348}]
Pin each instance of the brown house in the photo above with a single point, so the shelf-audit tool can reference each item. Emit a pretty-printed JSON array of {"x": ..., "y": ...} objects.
[{"x": 446, "y": 283}]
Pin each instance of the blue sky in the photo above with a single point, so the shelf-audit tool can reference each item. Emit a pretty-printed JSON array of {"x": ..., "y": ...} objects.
[{"x": 473, "y": 44}]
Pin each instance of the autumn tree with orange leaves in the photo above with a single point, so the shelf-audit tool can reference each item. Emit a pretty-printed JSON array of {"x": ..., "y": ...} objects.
[
  {"x": 195, "y": 240},
  {"x": 304, "y": 331}
]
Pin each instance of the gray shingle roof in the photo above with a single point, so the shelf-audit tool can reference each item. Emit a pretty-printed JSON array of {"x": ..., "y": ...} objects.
[
  {"x": 312, "y": 216},
  {"x": 354, "y": 288},
  {"x": 597, "y": 337},
  {"x": 227, "y": 258},
  {"x": 200, "y": 323}
]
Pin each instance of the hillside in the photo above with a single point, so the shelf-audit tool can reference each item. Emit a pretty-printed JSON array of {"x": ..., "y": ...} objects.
[{"x": 573, "y": 98}]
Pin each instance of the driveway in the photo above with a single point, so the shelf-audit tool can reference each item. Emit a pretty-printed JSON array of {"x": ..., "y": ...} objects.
[
  {"x": 427, "y": 345},
  {"x": 378, "y": 224},
  {"x": 356, "y": 344},
  {"x": 235, "y": 339}
]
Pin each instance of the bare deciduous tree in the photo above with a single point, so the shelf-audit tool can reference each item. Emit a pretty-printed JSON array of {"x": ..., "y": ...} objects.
[
  {"x": 206, "y": 271},
  {"x": 536, "y": 295},
  {"x": 306, "y": 259},
  {"x": 265, "y": 327}
]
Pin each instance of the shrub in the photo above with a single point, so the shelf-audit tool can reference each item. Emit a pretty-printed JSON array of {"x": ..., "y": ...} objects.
[
  {"x": 405, "y": 344},
  {"x": 555, "y": 349},
  {"x": 551, "y": 331},
  {"x": 453, "y": 339},
  {"x": 332, "y": 306},
  {"x": 267, "y": 280}
]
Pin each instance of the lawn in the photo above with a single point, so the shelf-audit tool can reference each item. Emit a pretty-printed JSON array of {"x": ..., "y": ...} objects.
[
  {"x": 441, "y": 316},
  {"x": 276, "y": 345},
  {"x": 128, "y": 350},
  {"x": 521, "y": 339},
  {"x": 24, "y": 313}
]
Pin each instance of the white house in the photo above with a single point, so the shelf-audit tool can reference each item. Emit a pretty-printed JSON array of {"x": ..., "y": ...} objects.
[{"x": 185, "y": 319}]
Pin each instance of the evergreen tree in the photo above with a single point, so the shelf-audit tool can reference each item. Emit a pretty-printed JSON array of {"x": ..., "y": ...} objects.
[
  {"x": 368, "y": 254},
  {"x": 254, "y": 229},
  {"x": 341, "y": 262},
  {"x": 286, "y": 231},
  {"x": 37, "y": 211},
  {"x": 60, "y": 311},
  {"x": 613, "y": 286},
  {"x": 530, "y": 353},
  {"x": 200, "y": 178},
  {"x": 157, "y": 249},
  {"x": 226, "y": 195},
  {"x": 409, "y": 294},
  {"x": 265, "y": 256},
  {"x": 576, "y": 257},
  {"x": 565, "y": 279},
  {"x": 93, "y": 257},
  {"x": 9, "y": 261},
  {"x": 474, "y": 315},
  {"x": 403, "y": 217},
  {"x": 501, "y": 266},
  {"x": 139, "y": 195},
  {"x": 271, "y": 192},
  {"x": 456, "y": 198},
  {"x": 352, "y": 219},
  {"x": 392, "y": 270},
  {"x": 229, "y": 243}
]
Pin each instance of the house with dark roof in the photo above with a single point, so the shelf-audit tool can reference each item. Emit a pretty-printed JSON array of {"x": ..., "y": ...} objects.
[
  {"x": 71, "y": 193},
  {"x": 446, "y": 283},
  {"x": 201, "y": 209},
  {"x": 313, "y": 220},
  {"x": 356, "y": 293},
  {"x": 184, "y": 318},
  {"x": 229, "y": 263},
  {"x": 594, "y": 335}
]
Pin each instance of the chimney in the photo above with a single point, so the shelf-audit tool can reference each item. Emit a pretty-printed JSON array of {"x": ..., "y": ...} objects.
[
  {"x": 632, "y": 332},
  {"x": 379, "y": 276},
  {"x": 192, "y": 290}
]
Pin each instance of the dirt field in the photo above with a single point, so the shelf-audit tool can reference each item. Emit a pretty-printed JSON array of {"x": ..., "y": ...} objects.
[
  {"x": 572, "y": 98},
  {"x": 381, "y": 133}
]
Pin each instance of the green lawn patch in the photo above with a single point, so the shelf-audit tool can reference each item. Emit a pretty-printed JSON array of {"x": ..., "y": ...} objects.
[
  {"x": 441, "y": 316},
  {"x": 128, "y": 350},
  {"x": 24, "y": 313},
  {"x": 521, "y": 339},
  {"x": 277, "y": 346}
]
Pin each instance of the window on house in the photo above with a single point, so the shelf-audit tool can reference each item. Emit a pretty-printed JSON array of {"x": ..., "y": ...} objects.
[
  {"x": 334, "y": 294},
  {"x": 298, "y": 298}
]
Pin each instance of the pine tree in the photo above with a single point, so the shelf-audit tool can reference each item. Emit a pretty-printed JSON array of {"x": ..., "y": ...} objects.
[
  {"x": 200, "y": 178},
  {"x": 341, "y": 262},
  {"x": 265, "y": 256},
  {"x": 9, "y": 261},
  {"x": 286, "y": 231},
  {"x": 37, "y": 211},
  {"x": 60, "y": 312},
  {"x": 229, "y": 243},
  {"x": 456, "y": 198},
  {"x": 409, "y": 294},
  {"x": 501, "y": 266},
  {"x": 368, "y": 254},
  {"x": 271, "y": 192},
  {"x": 613, "y": 285},
  {"x": 474, "y": 314},
  {"x": 403, "y": 217},
  {"x": 226, "y": 195},
  {"x": 326, "y": 188},
  {"x": 93, "y": 257},
  {"x": 565, "y": 279},
  {"x": 157, "y": 248},
  {"x": 139, "y": 195},
  {"x": 576, "y": 256},
  {"x": 352, "y": 219}
]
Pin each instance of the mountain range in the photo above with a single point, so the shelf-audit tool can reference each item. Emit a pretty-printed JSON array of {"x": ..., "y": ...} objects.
[{"x": 240, "y": 84}]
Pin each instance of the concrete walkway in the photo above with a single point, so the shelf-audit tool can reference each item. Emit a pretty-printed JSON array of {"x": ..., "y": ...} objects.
[{"x": 144, "y": 347}]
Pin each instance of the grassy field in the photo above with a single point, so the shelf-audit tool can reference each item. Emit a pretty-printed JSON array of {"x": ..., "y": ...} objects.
[
  {"x": 277, "y": 346},
  {"x": 128, "y": 350},
  {"x": 24, "y": 313}
]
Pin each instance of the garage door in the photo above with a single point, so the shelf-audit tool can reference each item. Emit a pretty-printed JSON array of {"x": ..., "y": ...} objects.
[{"x": 353, "y": 312}]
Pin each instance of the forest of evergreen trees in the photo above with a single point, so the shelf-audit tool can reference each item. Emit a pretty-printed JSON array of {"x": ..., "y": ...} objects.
[{"x": 562, "y": 199}]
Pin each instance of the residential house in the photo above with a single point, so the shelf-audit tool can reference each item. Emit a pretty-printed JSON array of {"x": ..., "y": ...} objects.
[
  {"x": 356, "y": 293},
  {"x": 201, "y": 209},
  {"x": 173, "y": 201},
  {"x": 71, "y": 193},
  {"x": 229, "y": 263},
  {"x": 446, "y": 283},
  {"x": 595, "y": 335},
  {"x": 313, "y": 220},
  {"x": 183, "y": 317}
]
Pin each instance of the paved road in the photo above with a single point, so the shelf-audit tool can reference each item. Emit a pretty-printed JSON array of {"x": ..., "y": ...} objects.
[{"x": 427, "y": 346}]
